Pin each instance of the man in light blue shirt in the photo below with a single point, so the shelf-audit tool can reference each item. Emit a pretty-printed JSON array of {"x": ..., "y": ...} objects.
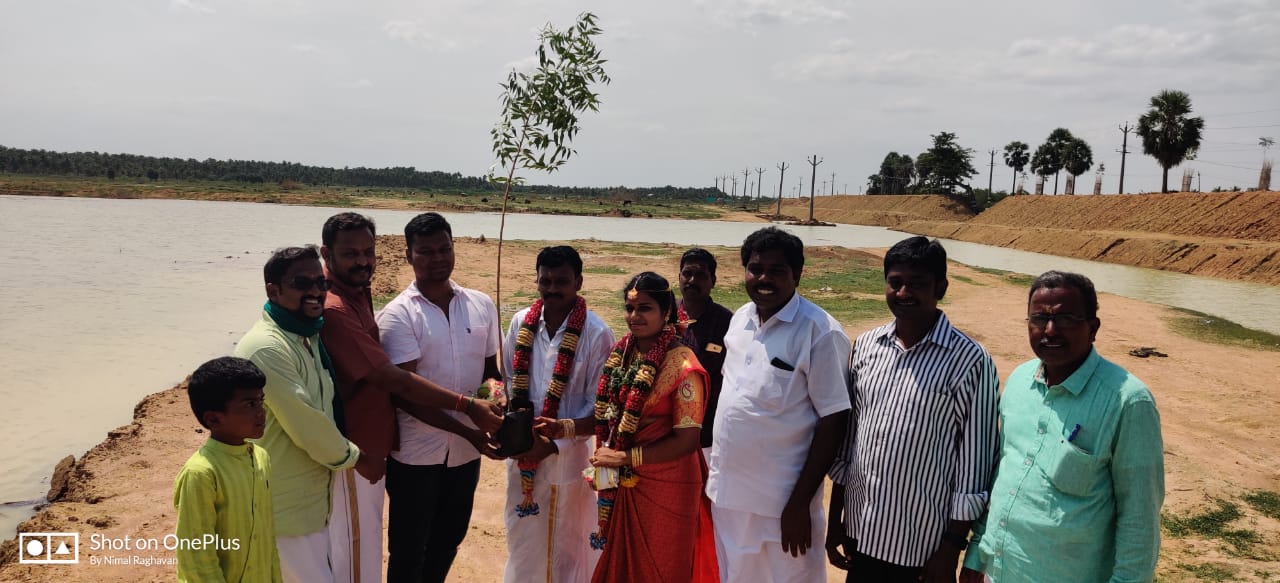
[{"x": 1080, "y": 479}]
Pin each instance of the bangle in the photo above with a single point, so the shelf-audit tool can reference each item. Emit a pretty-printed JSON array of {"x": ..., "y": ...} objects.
[
  {"x": 570, "y": 428},
  {"x": 470, "y": 402},
  {"x": 458, "y": 406},
  {"x": 637, "y": 456}
]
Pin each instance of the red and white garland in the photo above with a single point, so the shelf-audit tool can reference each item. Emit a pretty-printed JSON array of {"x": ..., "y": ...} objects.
[{"x": 555, "y": 390}]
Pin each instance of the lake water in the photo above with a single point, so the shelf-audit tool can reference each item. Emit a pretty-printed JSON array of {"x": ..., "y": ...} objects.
[{"x": 106, "y": 301}]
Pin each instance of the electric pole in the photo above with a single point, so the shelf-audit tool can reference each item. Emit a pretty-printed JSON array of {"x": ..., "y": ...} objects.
[
  {"x": 1124, "y": 150},
  {"x": 800, "y": 189},
  {"x": 782, "y": 172},
  {"x": 746, "y": 177},
  {"x": 833, "y": 184},
  {"x": 759, "y": 182},
  {"x": 990, "y": 173},
  {"x": 734, "y": 192},
  {"x": 814, "y": 161}
]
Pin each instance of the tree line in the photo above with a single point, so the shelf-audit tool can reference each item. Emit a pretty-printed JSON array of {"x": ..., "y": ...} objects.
[
  {"x": 1168, "y": 132},
  {"x": 135, "y": 167}
]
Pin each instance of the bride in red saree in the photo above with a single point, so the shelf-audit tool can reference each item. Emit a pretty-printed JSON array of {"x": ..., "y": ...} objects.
[{"x": 655, "y": 525}]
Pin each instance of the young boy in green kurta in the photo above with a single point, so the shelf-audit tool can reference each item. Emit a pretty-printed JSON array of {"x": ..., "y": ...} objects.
[{"x": 225, "y": 528}]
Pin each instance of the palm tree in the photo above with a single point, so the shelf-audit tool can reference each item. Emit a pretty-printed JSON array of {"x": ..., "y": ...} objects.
[
  {"x": 1168, "y": 134},
  {"x": 1058, "y": 140},
  {"x": 1077, "y": 158},
  {"x": 1046, "y": 161},
  {"x": 1016, "y": 156}
]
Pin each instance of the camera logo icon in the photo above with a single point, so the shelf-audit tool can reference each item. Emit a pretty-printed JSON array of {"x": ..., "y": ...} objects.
[{"x": 49, "y": 548}]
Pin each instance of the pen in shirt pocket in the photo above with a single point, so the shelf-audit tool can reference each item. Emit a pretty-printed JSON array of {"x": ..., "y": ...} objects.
[{"x": 1071, "y": 438}]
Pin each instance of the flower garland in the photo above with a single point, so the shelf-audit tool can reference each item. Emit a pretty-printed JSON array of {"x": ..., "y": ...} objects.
[
  {"x": 555, "y": 390},
  {"x": 620, "y": 397}
]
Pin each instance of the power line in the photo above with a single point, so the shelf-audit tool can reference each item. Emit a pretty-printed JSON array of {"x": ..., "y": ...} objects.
[
  {"x": 1274, "y": 125},
  {"x": 1240, "y": 113},
  {"x": 1222, "y": 164}
]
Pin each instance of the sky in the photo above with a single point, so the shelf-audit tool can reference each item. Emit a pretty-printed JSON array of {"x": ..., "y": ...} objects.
[{"x": 701, "y": 88}]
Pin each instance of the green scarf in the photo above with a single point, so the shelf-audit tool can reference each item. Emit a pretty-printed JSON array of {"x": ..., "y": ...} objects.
[{"x": 295, "y": 325}]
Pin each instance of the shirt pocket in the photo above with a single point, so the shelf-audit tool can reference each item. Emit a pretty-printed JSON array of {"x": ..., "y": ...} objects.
[
  {"x": 772, "y": 392},
  {"x": 1070, "y": 469}
]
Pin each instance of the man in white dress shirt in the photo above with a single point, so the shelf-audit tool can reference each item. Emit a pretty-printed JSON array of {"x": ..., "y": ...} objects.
[
  {"x": 783, "y": 410},
  {"x": 448, "y": 334},
  {"x": 548, "y": 533}
]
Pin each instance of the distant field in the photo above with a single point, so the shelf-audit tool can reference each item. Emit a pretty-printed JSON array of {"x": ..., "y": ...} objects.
[{"x": 360, "y": 197}]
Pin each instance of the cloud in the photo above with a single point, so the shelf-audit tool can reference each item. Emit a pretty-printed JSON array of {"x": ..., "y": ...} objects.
[
  {"x": 751, "y": 14},
  {"x": 904, "y": 68},
  {"x": 524, "y": 65},
  {"x": 191, "y": 6},
  {"x": 361, "y": 84},
  {"x": 906, "y": 105},
  {"x": 304, "y": 48},
  {"x": 414, "y": 33}
]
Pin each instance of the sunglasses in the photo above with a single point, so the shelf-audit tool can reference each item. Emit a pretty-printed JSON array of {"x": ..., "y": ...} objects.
[
  {"x": 303, "y": 283},
  {"x": 1060, "y": 321}
]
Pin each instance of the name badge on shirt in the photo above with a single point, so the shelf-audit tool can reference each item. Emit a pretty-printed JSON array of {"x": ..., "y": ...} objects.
[{"x": 713, "y": 347}]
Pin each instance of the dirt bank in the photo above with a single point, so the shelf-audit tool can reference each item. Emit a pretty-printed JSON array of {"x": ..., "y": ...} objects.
[
  {"x": 1230, "y": 235},
  {"x": 1226, "y": 235},
  {"x": 1216, "y": 403},
  {"x": 876, "y": 210}
]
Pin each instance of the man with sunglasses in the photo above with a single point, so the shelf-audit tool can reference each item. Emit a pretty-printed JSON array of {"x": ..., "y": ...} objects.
[
  {"x": 1080, "y": 479},
  {"x": 302, "y": 436}
]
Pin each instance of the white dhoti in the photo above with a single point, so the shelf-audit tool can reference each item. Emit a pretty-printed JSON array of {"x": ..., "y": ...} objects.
[
  {"x": 749, "y": 547},
  {"x": 552, "y": 546},
  {"x": 355, "y": 528},
  {"x": 305, "y": 559}
]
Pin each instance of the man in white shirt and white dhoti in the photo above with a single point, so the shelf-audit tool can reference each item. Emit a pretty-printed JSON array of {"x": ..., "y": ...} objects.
[
  {"x": 783, "y": 410},
  {"x": 555, "y": 352}
]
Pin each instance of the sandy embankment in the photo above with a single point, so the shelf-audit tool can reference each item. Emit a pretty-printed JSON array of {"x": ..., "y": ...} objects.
[
  {"x": 1230, "y": 235},
  {"x": 1216, "y": 404}
]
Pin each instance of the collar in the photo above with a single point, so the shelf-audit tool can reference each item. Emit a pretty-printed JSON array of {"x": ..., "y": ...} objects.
[
  {"x": 940, "y": 334},
  {"x": 453, "y": 285},
  {"x": 1076, "y": 383},
  {"x": 786, "y": 314},
  {"x": 228, "y": 449}
]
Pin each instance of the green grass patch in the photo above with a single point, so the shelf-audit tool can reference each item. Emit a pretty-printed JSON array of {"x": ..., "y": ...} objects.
[
  {"x": 641, "y": 249},
  {"x": 381, "y": 301},
  {"x": 604, "y": 270},
  {"x": 1214, "y": 523},
  {"x": 964, "y": 279},
  {"x": 1267, "y": 503},
  {"x": 867, "y": 281},
  {"x": 1209, "y": 572},
  {"x": 1013, "y": 277},
  {"x": 1202, "y": 326}
]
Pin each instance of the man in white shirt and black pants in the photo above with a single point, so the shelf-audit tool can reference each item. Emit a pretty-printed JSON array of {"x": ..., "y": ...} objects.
[
  {"x": 449, "y": 335},
  {"x": 782, "y": 411},
  {"x": 916, "y": 467}
]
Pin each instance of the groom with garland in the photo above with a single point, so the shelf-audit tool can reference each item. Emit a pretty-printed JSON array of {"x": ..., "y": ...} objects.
[{"x": 556, "y": 349}]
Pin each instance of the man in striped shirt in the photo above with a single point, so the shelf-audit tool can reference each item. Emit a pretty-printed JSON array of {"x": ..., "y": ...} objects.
[{"x": 917, "y": 463}]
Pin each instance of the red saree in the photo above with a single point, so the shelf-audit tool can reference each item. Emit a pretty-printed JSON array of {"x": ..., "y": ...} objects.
[{"x": 660, "y": 530}]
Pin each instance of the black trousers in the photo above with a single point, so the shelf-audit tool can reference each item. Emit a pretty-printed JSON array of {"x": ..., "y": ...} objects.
[
  {"x": 865, "y": 569},
  {"x": 429, "y": 515}
]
